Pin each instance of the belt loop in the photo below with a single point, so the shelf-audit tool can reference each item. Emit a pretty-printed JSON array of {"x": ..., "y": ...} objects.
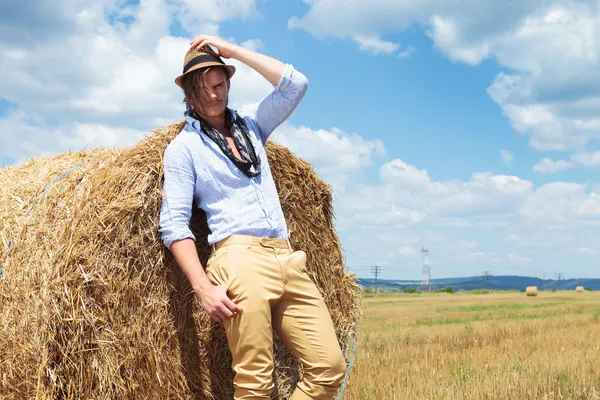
[
  {"x": 249, "y": 239},
  {"x": 289, "y": 245}
]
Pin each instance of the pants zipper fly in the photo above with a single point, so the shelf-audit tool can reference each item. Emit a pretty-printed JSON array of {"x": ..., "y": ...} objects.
[{"x": 284, "y": 275}]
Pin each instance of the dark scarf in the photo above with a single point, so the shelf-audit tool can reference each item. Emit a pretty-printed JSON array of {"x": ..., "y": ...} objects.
[{"x": 250, "y": 163}]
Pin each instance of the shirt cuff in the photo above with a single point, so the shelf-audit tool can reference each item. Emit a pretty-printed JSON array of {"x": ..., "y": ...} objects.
[
  {"x": 286, "y": 75},
  {"x": 170, "y": 238}
]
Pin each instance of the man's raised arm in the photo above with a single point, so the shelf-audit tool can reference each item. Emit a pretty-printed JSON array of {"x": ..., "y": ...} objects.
[{"x": 289, "y": 84}]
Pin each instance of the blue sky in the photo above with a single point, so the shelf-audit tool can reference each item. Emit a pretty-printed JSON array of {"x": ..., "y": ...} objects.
[{"x": 471, "y": 130}]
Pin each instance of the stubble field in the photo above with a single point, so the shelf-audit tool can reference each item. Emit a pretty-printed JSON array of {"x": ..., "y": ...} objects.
[{"x": 478, "y": 346}]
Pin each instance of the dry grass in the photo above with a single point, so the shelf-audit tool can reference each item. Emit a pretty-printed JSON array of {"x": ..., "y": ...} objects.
[
  {"x": 461, "y": 346},
  {"x": 91, "y": 304}
]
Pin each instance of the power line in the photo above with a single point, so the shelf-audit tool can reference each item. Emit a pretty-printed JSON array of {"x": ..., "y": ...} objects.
[
  {"x": 486, "y": 274},
  {"x": 426, "y": 267},
  {"x": 376, "y": 270},
  {"x": 559, "y": 275},
  {"x": 544, "y": 281}
]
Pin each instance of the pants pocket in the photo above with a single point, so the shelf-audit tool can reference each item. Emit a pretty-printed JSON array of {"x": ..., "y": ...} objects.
[
  {"x": 298, "y": 261},
  {"x": 216, "y": 267}
]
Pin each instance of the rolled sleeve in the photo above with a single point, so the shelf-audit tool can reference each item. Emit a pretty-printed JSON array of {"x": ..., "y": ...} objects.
[
  {"x": 178, "y": 194},
  {"x": 274, "y": 109}
]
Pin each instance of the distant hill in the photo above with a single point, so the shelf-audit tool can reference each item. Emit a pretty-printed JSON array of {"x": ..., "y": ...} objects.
[{"x": 506, "y": 282}]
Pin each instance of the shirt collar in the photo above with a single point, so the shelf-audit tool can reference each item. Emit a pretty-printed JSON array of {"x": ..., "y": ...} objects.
[{"x": 197, "y": 125}]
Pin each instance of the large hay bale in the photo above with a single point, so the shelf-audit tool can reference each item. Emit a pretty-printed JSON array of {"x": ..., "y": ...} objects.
[
  {"x": 580, "y": 289},
  {"x": 532, "y": 291},
  {"x": 92, "y": 305}
]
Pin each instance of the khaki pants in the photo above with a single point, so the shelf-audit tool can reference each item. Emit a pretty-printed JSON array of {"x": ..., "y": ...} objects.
[{"x": 270, "y": 283}]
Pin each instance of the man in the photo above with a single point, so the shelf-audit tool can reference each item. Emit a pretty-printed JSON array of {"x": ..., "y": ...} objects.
[{"x": 254, "y": 281}]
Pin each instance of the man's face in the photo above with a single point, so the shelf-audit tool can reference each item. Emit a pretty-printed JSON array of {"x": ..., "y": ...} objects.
[{"x": 214, "y": 95}]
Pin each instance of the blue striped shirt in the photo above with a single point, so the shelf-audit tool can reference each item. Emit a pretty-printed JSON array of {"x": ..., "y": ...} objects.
[{"x": 196, "y": 170}]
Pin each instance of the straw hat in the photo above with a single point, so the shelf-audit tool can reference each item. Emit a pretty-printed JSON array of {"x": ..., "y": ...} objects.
[{"x": 205, "y": 57}]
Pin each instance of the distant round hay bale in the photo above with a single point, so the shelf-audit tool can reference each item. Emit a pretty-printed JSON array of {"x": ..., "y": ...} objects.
[
  {"x": 579, "y": 289},
  {"x": 532, "y": 291},
  {"x": 93, "y": 306}
]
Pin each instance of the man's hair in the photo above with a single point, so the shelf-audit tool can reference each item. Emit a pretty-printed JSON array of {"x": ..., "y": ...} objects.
[{"x": 193, "y": 85}]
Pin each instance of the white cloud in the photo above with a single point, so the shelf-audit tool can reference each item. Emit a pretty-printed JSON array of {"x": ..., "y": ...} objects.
[
  {"x": 361, "y": 206},
  {"x": 547, "y": 236},
  {"x": 100, "y": 72},
  {"x": 453, "y": 222},
  {"x": 435, "y": 237},
  {"x": 506, "y": 156},
  {"x": 551, "y": 98},
  {"x": 552, "y": 92},
  {"x": 215, "y": 10},
  {"x": 407, "y": 52},
  {"x": 582, "y": 159},
  {"x": 408, "y": 252},
  {"x": 468, "y": 244},
  {"x": 492, "y": 223},
  {"x": 587, "y": 159},
  {"x": 151, "y": 23},
  {"x": 446, "y": 35},
  {"x": 478, "y": 259},
  {"x": 398, "y": 170},
  {"x": 407, "y": 208},
  {"x": 23, "y": 136},
  {"x": 562, "y": 202},
  {"x": 476, "y": 256},
  {"x": 87, "y": 72},
  {"x": 105, "y": 83},
  {"x": 407, "y": 202},
  {"x": 254, "y": 44},
  {"x": 512, "y": 238},
  {"x": 584, "y": 250},
  {"x": 484, "y": 194},
  {"x": 347, "y": 19},
  {"x": 514, "y": 259},
  {"x": 336, "y": 155},
  {"x": 548, "y": 166},
  {"x": 121, "y": 86},
  {"x": 364, "y": 22},
  {"x": 376, "y": 45}
]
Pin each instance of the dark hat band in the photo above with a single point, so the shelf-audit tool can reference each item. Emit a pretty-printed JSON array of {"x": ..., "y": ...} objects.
[{"x": 201, "y": 59}]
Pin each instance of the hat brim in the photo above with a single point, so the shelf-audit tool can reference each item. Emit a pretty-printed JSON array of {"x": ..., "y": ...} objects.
[{"x": 229, "y": 68}]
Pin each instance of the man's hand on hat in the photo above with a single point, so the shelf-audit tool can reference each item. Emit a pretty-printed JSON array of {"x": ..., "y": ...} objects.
[
  {"x": 223, "y": 48},
  {"x": 270, "y": 68}
]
